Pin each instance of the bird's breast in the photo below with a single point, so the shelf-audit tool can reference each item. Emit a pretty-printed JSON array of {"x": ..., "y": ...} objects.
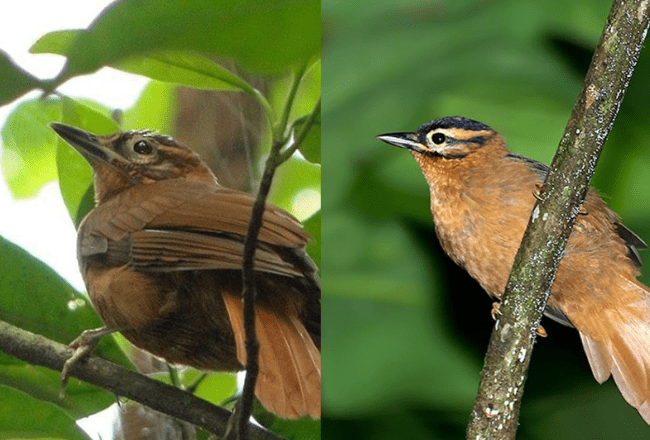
[{"x": 480, "y": 224}]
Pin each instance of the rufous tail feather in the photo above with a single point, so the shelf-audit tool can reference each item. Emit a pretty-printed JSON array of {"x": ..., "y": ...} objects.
[
  {"x": 622, "y": 349},
  {"x": 289, "y": 381}
]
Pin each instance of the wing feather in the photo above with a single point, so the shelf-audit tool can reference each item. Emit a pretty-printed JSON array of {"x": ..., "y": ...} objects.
[
  {"x": 178, "y": 204},
  {"x": 163, "y": 250}
]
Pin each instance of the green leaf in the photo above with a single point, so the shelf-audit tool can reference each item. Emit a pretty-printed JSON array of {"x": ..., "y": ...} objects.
[
  {"x": 15, "y": 81},
  {"x": 36, "y": 299},
  {"x": 155, "y": 109},
  {"x": 81, "y": 399},
  {"x": 57, "y": 42},
  {"x": 310, "y": 147},
  {"x": 304, "y": 428},
  {"x": 185, "y": 68},
  {"x": 176, "y": 67},
  {"x": 215, "y": 387},
  {"x": 22, "y": 416},
  {"x": 260, "y": 35},
  {"x": 75, "y": 174},
  {"x": 28, "y": 159},
  {"x": 307, "y": 94},
  {"x": 297, "y": 188}
]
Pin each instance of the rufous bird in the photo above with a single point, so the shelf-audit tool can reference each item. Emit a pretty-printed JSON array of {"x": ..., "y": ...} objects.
[
  {"x": 161, "y": 256},
  {"x": 482, "y": 196}
]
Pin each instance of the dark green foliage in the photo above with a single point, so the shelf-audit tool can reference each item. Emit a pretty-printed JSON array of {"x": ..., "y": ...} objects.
[{"x": 405, "y": 330}]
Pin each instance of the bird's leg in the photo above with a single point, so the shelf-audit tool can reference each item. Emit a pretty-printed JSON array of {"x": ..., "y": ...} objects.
[
  {"x": 496, "y": 310},
  {"x": 83, "y": 345},
  {"x": 537, "y": 191}
]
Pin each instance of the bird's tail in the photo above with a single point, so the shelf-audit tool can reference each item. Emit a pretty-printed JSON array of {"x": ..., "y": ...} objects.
[
  {"x": 618, "y": 344},
  {"x": 289, "y": 381}
]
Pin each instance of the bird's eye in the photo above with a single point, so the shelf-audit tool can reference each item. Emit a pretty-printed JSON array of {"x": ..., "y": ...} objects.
[
  {"x": 142, "y": 147},
  {"x": 438, "y": 138}
]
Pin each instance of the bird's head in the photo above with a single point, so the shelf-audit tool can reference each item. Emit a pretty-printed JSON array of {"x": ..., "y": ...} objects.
[
  {"x": 453, "y": 137},
  {"x": 131, "y": 158}
]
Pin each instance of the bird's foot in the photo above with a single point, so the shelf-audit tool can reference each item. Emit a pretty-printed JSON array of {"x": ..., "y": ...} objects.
[
  {"x": 83, "y": 345},
  {"x": 496, "y": 311}
]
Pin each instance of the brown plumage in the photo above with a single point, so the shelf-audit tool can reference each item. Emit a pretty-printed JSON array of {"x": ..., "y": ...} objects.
[
  {"x": 161, "y": 256},
  {"x": 482, "y": 196}
]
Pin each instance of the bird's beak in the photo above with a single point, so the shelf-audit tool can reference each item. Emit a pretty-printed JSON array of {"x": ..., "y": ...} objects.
[
  {"x": 403, "y": 140},
  {"x": 90, "y": 146}
]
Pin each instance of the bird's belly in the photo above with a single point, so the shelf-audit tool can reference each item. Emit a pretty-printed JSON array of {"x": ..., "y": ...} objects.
[
  {"x": 179, "y": 317},
  {"x": 483, "y": 243}
]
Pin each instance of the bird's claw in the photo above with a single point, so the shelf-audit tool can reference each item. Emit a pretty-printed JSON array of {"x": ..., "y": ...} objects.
[
  {"x": 83, "y": 345},
  {"x": 496, "y": 311}
]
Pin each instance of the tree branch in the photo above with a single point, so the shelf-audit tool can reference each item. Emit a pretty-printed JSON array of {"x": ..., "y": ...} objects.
[
  {"x": 496, "y": 409},
  {"x": 38, "y": 350}
]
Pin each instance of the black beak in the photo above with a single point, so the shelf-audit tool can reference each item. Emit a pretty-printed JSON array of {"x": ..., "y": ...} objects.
[
  {"x": 85, "y": 143},
  {"x": 403, "y": 140}
]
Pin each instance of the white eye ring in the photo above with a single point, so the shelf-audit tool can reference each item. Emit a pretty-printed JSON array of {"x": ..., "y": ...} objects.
[{"x": 437, "y": 138}]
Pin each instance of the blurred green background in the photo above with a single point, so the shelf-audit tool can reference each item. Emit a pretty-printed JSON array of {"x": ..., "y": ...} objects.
[{"x": 405, "y": 330}]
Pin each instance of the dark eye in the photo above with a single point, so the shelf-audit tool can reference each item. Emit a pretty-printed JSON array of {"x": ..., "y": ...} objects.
[
  {"x": 142, "y": 147},
  {"x": 438, "y": 138}
]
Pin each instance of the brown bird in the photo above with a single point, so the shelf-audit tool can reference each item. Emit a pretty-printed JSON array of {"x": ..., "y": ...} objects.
[
  {"x": 161, "y": 256},
  {"x": 482, "y": 196}
]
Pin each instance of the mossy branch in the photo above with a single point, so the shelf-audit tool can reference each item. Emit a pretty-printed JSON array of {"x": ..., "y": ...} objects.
[{"x": 496, "y": 409}]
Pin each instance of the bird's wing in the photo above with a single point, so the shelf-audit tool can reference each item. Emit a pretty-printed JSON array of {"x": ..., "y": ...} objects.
[
  {"x": 181, "y": 225},
  {"x": 633, "y": 242}
]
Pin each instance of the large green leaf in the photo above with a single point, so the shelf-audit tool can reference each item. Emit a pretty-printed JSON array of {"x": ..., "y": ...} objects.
[
  {"x": 260, "y": 35},
  {"x": 28, "y": 159},
  {"x": 36, "y": 299},
  {"x": 177, "y": 67},
  {"x": 15, "y": 81},
  {"x": 22, "y": 416},
  {"x": 186, "y": 69}
]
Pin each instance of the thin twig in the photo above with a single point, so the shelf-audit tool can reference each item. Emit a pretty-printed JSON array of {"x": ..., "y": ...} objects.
[
  {"x": 245, "y": 403},
  {"x": 284, "y": 118},
  {"x": 38, "y": 350},
  {"x": 302, "y": 134},
  {"x": 496, "y": 409}
]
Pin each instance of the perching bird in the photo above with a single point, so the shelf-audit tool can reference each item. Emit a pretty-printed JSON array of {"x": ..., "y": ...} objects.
[
  {"x": 161, "y": 256},
  {"x": 482, "y": 196}
]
